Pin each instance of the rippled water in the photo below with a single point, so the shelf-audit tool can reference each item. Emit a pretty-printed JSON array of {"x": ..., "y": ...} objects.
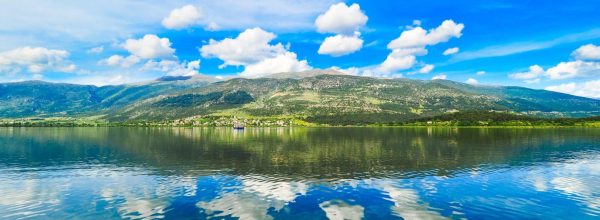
[{"x": 291, "y": 173}]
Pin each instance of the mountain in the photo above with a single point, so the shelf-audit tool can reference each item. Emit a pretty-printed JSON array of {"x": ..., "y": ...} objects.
[
  {"x": 317, "y": 95},
  {"x": 338, "y": 95},
  {"x": 44, "y": 99}
]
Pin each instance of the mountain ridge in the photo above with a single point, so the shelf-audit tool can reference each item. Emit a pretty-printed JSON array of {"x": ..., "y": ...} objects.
[{"x": 317, "y": 93}]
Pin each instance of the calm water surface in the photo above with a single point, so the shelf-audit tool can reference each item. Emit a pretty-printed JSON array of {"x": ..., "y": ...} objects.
[{"x": 299, "y": 173}]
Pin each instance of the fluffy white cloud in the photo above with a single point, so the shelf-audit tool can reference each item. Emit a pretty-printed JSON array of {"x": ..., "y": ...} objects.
[
  {"x": 480, "y": 73},
  {"x": 441, "y": 76},
  {"x": 587, "y": 89},
  {"x": 412, "y": 43},
  {"x": 341, "y": 19},
  {"x": 149, "y": 47},
  {"x": 118, "y": 60},
  {"x": 345, "y": 21},
  {"x": 174, "y": 68},
  {"x": 401, "y": 59},
  {"x": 451, "y": 51},
  {"x": 587, "y": 52},
  {"x": 248, "y": 47},
  {"x": 580, "y": 68},
  {"x": 252, "y": 50},
  {"x": 535, "y": 71},
  {"x": 472, "y": 81},
  {"x": 286, "y": 62},
  {"x": 182, "y": 17},
  {"x": 393, "y": 63},
  {"x": 574, "y": 69},
  {"x": 35, "y": 60},
  {"x": 419, "y": 37},
  {"x": 426, "y": 69},
  {"x": 159, "y": 58},
  {"x": 564, "y": 70},
  {"x": 340, "y": 45}
]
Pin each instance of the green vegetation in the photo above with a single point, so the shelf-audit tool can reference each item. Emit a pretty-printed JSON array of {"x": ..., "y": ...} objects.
[
  {"x": 499, "y": 119},
  {"x": 320, "y": 98},
  {"x": 480, "y": 119},
  {"x": 232, "y": 98}
]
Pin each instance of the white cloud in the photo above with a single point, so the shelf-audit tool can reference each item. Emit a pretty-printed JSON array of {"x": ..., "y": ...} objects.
[
  {"x": 451, "y": 51},
  {"x": 472, "y": 81},
  {"x": 252, "y": 50},
  {"x": 212, "y": 26},
  {"x": 412, "y": 43},
  {"x": 395, "y": 62},
  {"x": 286, "y": 62},
  {"x": 350, "y": 70},
  {"x": 248, "y": 47},
  {"x": 73, "y": 24},
  {"x": 174, "y": 68},
  {"x": 440, "y": 76},
  {"x": 426, "y": 69},
  {"x": 182, "y": 17},
  {"x": 340, "y": 45},
  {"x": 401, "y": 59},
  {"x": 535, "y": 71},
  {"x": 149, "y": 47},
  {"x": 341, "y": 19},
  {"x": 345, "y": 21},
  {"x": 587, "y": 52},
  {"x": 118, "y": 60},
  {"x": 565, "y": 70},
  {"x": 186, "y": 69},
  {"x": 35, "y": 60},
  {"x": 480, "y": 73},
  {"x": 574, "y": 69},
  {"x": 589, "y": 89},
  {"x": 419, "y": 37},
  {"x": 96, "y": 50}
]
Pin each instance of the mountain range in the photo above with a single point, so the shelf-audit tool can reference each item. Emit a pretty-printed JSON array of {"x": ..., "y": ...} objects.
[{"x": 309, "y": 94}]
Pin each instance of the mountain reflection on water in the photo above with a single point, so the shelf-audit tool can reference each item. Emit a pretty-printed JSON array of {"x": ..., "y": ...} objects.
[{"x": 313, "y": 173}]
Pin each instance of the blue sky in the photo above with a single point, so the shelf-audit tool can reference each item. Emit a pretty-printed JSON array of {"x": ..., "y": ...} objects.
[{"x": 538, "y": 44}]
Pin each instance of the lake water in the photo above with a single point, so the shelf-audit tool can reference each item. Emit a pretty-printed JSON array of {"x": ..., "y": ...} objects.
[{"x": 299, "y": 173}]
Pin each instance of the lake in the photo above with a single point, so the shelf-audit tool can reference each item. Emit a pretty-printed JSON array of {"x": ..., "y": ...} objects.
[{"x": 299, "y": 173}]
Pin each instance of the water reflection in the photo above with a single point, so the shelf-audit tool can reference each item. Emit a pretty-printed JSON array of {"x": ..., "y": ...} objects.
[{"x": 278, "y": 173}]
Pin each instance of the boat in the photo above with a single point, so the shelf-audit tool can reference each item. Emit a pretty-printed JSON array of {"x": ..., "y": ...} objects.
[{"x": 238, "y": 126}]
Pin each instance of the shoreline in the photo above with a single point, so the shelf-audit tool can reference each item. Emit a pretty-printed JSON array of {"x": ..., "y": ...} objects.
[{"x": 317, "y": 126}]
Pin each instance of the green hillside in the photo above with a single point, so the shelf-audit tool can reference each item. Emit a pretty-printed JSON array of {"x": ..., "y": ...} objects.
[
  {"x": 315, "y": 96},
  {"x": 44, "y": 99},
  {"x": 359, "y": 98}
]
